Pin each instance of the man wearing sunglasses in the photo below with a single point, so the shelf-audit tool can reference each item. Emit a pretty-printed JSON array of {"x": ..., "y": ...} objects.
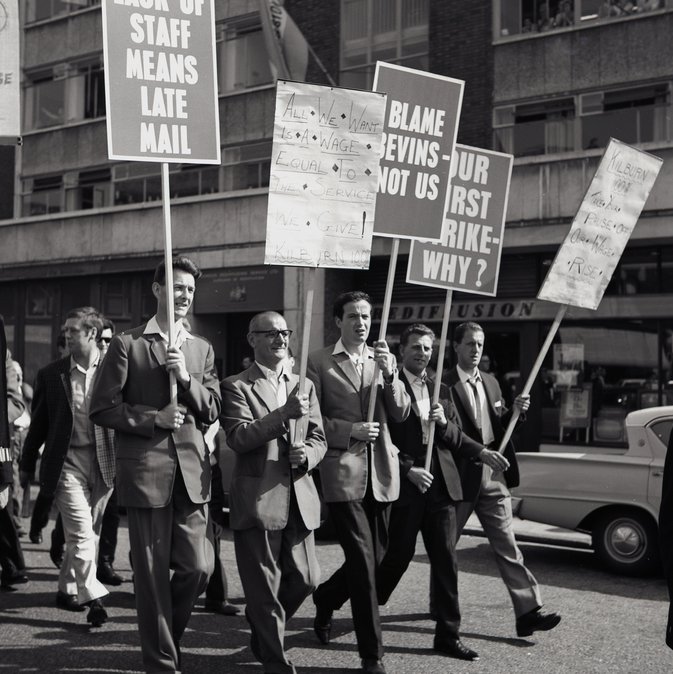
[{"x": 276, "y": 432}]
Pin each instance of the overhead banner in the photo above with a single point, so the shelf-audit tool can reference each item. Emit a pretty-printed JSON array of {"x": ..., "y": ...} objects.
[
  {"x": 324, "y": 176},
  {"x": 469, "y": 257},
  {"x": 160, "y": 82},
  {"x": 10, "y": 73},
  {"x": 420, "y": 130},
  {"x": 586, "y": 260}
]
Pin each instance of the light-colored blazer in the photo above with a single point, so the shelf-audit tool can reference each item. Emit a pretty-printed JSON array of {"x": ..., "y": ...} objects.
[
  {"x": 131, "y": 388},
  {"x": 344, "y": 400},
  {"x": 262, "y": 479}
]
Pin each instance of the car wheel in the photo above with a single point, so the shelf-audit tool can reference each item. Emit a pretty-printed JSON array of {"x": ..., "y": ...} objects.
[{"x": 626, "y": 542}]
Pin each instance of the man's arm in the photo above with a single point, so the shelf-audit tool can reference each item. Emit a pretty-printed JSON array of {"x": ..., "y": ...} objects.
[
  {"x": 203, "y": 398},
  {"x": 315, "y": 443},
  {"x": 37, "y": 431},
  {"x": 396, "y": 398}
]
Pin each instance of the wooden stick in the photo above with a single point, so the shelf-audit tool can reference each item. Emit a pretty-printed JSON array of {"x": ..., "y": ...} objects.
[
  {"x": 533, "y": 373},
  {"x": 168, "y": 261},
  {"x": 438, "y": 376},
  {"x": 384, "y": 322}
]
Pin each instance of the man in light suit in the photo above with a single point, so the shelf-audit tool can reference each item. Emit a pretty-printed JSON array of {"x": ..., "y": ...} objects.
[
  {"x": 163, "y": 468},
  {"x": 428, "y": 498},
  {"x": 276, "y": 432},
  {"x": 483, "y": 416},
  {"x": 360, "y": 473},
  {"x": 77, "y": 466}
]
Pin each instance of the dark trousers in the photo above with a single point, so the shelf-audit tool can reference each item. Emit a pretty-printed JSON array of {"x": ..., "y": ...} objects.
[
  {"x": 437, "y": 524},
  {"x": 217, "y": 588},
  {"x": 362, "y": 531},
  {"x": 11, "y": 555}
]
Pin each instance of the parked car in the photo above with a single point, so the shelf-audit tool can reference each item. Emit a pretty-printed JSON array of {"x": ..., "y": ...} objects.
[{"x": 612, "y": 494}]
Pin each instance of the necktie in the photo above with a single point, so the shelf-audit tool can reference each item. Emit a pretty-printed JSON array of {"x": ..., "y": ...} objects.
[{"x": 477, "y": 399}]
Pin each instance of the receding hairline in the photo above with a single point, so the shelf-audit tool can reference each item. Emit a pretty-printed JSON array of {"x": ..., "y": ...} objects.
[{"x": 257, "y": 318}]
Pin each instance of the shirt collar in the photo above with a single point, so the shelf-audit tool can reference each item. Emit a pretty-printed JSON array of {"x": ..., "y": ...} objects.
[
  {"x": 340, "y": 348},
  {"x": 74, "y": 365},
  {"x": 415, "y": 379},
  {"x": 465, "y": 376},
  {"x": 152, "y": 328},
  {"x": 271, "y": 374}
]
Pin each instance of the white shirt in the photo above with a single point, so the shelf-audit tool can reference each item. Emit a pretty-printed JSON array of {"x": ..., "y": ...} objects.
[
  {"x": 181, "y": 333},
  {"x": 358, "y": 359},
  {"x": 80, "y": 386},
  {"x": 487, "y": 434},
  {"x": 421, "y": 400},
  {"x": 278, "y": 381}
]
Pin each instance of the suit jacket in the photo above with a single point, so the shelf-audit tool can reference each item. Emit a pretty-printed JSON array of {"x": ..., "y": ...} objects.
[
  {"x": 262, "y": 479},
  {"x": 666, "y": 534},
  {"x": 470, "y": 468},
  {"x": 51, "y": 424},
  {"x": 408, "y": 437},
  {"x": 132, "y": 386},
  {"x": 344, "y": 400}
]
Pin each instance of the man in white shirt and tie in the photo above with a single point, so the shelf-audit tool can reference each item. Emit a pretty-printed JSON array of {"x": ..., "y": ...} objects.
[{"x": 486, "y": 481}]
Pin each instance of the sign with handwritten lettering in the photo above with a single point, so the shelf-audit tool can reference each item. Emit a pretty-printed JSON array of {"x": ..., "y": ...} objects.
[
  {"x": 586, "y": 260},
  {"x": 324, "y": 173},
  {"x": 468, "y": 259},
  {"x": 419, "y": 136},
  {"x": 160, "y": 84}
]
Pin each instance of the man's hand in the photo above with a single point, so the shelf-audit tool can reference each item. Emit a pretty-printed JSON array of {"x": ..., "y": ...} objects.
[
  {"x": 295, "y": 407},
  {"x": 494, "y": 459},
  {"x": 420, "y": 478},
  {"x": 437, "y": 415},
  {"x": 384, "y": 358},
  {"x": 175, "y": 363},
  {"x": 297, "y": 454},
  {"x": 25, "y": 479},
  {"x": 366, "y": 431},
  {"x": 171, "y": 417},
  {"x": 522, "y": 402}
]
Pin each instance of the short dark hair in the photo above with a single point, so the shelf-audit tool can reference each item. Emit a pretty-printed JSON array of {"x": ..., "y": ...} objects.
[
  {"x": 108, "y": 325},
  {"x": 90, "y": 317},
  {"x": 416, "y": 329},
  {"x": 351, "y": 296},
  {"x": 468, "y": 326},
  {"x": 179, "y": 262}
]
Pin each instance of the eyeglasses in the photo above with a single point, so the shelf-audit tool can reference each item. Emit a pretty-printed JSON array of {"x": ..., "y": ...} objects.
[
  {"x": 107, "y": 340},
  {"x": 273, "y": 334}
]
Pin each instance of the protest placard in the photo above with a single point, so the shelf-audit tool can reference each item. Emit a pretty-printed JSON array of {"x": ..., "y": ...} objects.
[
  {"x": 468, "y": 259},
  {"x": 586, "y": 260},
  {"x": 160, "y": 84},
  {"x": 324, "y": 176},
  {"x": 420, "y": 130},
  {"x": 10, "y": 72}
]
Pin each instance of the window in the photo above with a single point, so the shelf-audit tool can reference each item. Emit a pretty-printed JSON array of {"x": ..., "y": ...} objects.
[
  {"x": 90, "y": 189},
  {"x": 42, "y": 195},
  {"x": 45, "y": 99},
  {"x": 242, "y": 59},
  {"x": 381, "y": 30},
  {"x": 38, "y": 10},
  {"x": 247, "y": 166}
]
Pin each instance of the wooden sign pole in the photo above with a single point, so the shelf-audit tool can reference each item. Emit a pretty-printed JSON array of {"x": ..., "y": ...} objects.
[{"x": 168, "y": 261}]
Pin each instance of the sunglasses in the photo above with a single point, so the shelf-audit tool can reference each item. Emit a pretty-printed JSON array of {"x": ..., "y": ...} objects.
[
  {"x": 273, "y": 334},
  {"x": 107, "y": 340}
]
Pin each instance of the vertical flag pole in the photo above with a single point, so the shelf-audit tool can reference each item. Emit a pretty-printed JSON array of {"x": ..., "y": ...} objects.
[
  {"x": 384, "y": 322},
  {"x": 168, "y": 260},
  {"x": 438, "y": 375},
  {"x": 533, "y": 373}
]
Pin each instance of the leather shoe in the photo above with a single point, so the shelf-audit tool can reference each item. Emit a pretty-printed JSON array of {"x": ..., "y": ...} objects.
[
  {"x": 221, "y": 607},
  {"x": 107, "y": 575},
  {"x": 97, "y": 614},
  {"x": 373, "y": 666},
  {"x": 35, "y": 537},
  {"x": 456, "y": 649},
  {"x": 16, "y": 578},
  {"x": 536, "y": 621},
  {"x": 68, "y": 602},
  {"x": 322, "y": 624}
]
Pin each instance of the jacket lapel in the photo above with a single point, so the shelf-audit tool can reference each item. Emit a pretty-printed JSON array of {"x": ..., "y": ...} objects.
[
  {"x": 158, "y": 348},
  {"x": 65, "y": 380},
  {"x": 262, "y": 388},
  {"x": 461, "y": 394},
  {"x": 345, "y": 364}
]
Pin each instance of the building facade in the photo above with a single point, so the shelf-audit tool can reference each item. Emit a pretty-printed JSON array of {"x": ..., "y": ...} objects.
[{"x": 548, "y": 81}]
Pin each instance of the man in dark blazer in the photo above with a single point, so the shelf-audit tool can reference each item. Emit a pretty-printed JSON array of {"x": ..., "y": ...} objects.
[
  {"x": 666, "y": 534},
  {"x": 163, "y": 467},
  {"x": 77, "y": 466},
  {"x": 360, "y": 473},
  {"x": 274, "y": 505},
  {"x": 427, "y": 497},
  {"x": 483, "y": 416}
]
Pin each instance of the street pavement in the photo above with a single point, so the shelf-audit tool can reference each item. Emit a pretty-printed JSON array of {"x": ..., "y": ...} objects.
[{"x": 610, "y": 623}]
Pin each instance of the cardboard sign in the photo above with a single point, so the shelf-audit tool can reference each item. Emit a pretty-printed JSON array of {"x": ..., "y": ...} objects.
[
  {"x": 586, "y": 260},
  {"x": 10, "y": 70},
  {"x": 469, "y": 257},
  {"x": 324, "y": 175},
  {"x": 419, "y": 136},
  {"x": 160, "y": 84}
]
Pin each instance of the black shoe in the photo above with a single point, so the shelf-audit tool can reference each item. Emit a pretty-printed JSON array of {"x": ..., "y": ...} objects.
[
  {"x": 56, "y": 555},
  {"x": 373, "y": 666},
  {"x": 322, "y": 624},
  {"x": 536, "y": 621},
  {"x": 455, "y": 648},
  {"x": 107, "y": 575},
  {"x": 35, "y": 537},
  {"x": 97, "y": 614},
  {"x": 11, "y": 579},
  {"x": 221, "y": 607},
  {"x": 68, "y": 602}
]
